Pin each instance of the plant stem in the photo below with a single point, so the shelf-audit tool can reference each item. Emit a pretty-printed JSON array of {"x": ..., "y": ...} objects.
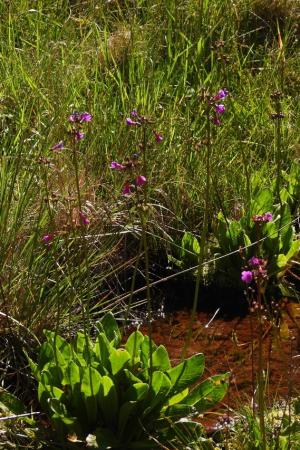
[
  {"x": 203, "y": 236},
  {"x": 261, "y": 405}
]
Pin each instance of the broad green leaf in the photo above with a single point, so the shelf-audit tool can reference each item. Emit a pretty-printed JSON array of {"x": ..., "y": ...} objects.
[
  {"x": 179, "y": 410},
  {"x": 118, "y": 360},
  {"x": 186, "y": 373},
  {"x": 178, "y": 398},
  {"x": 126, "y": 412},
  {"x": 286, "y": 230},
  {"x": 110, "y": 327},
  {"x": 159, "y": 391},
  {"x": 91, "y": 381},
  {"x": 262, "y": 203},
  {"x": 90, "y": 386},
  {"x": 57, "y": 407},
  {"x": 92, "y": 416},
  {"x": 102, "y": 350},
  {"x": 294, "y": 250},
  {"x": 133, "y": 345},
  {"x": 45, "y": 392},
  {"x": 46, "y": 354},
  {"x": 59, "y": 342},
  {"x": 108, "y": 401},
  {"x": 132, "y": 378},
  {"x": 160, "y": 359},
  {"x": 136, "y": 392},
  {"x": 234, "y": 234},
  {"x": 72, "y": 374},
  {"x": 83, "y": 349},
  {"x": 146, "y": 348},
  {"x": 190, "y": 244},
  {"x": 208, "y": 393}
]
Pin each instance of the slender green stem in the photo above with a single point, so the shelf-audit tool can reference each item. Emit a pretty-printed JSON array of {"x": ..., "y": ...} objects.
[
  {"x": 203, "y": 237},
  {"x": 85, "y": 308},
  {"x": 133, "y": 283},
  {"x": 261, "y": 403}
]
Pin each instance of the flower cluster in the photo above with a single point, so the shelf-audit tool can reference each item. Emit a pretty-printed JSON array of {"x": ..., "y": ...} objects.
[
  {"x": 47, "y": 238},
  {"x": 84, "y": 218},
  {"x": 218, "y": 108},
  {"x": 257, "y": 269},
  {"x": 267, "y": 217},
  {"x": 138, "y": 121},
  {"x": 77, "y": 119},
  {"x": 139, "y": 180},
  {"x": 129, "y": 187}
]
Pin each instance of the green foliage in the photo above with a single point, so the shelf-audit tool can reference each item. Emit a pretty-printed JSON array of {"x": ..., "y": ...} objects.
[
  {"x": 282, "y": 429},
  {"x": 117, "y": 395},
  {"x": 23, "y": 432},
  {"x": 274, "y": 241}
]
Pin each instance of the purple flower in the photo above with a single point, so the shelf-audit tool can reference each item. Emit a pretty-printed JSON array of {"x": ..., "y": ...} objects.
[
  {"x": 158, "y": 137},
  {"x": 117, "y": 166},
  {"x": 58, "y": 146},
  {"x": 47, "y": 238},
  {"x": 140, "y": 180},
  {"x": 85, "y": 117},
  {"x": 134, "y": 113},
  {"x": 84, "y": 218},
  {"x": 247, "y": 276},
  {"x": 80, "y": 117},
  {"x": 131, "y": 122},
  {"x": 221, "y": 94},
  {"x": 255, "y": 262},
  {"x": 74, "y": 117},
  {"x": 268, "y": 217},
  {"x": 126, "y": 188},
  {"x": 219, "y": 108},
  {"x": 216, "y": 121},
  {"x": 257, "y": 218},
  {"x": 79, "y": 135}
]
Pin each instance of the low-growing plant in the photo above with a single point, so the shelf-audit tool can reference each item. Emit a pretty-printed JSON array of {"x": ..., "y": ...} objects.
[
  {"x": 105, "y": 393},
  {"x": 266, "y": 226},
  {"x": 282, "y": 429}
]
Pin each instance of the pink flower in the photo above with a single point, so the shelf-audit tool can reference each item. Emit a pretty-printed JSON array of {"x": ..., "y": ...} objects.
[
  {"x": 134, "y": 113},
  {"x": 117, "y": 166},
  {"x": 158, "y": 137},
  {"x": 80, "y": 117},
  {"x": 216, "y": 121},
  {"x": 47, "y": 238},
  {"x": 255, "y": 262},
  {"x": 140, "y": 180},
  {"x": 219, "y": 108},
  {"x": 131, "y": 122},
  {"x": 247, "y": 276},
  {"x": 126, "y": 188},
  {"x": 268, "y": 217},
  {"x": 79, "y": 135},
  {"x": 85, "y": 117},
  {"x": 84, "y": 218},
  {"x": 221, "y": 94},
  {"x": 58, "y": 146}
]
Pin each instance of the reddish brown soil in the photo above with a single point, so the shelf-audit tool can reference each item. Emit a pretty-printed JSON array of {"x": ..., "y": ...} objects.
[{"x": 228, "y": 346}]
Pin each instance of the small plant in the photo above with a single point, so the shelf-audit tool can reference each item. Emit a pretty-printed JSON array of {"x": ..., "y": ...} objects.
[
  {"x": 105, "y": 393},
  {"x": 282, "y": 429},
  {"x": 267, "y": 226}
]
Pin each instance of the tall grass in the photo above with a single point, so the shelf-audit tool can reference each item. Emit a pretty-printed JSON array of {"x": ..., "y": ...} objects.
[{"x": 107, "y": 58}]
